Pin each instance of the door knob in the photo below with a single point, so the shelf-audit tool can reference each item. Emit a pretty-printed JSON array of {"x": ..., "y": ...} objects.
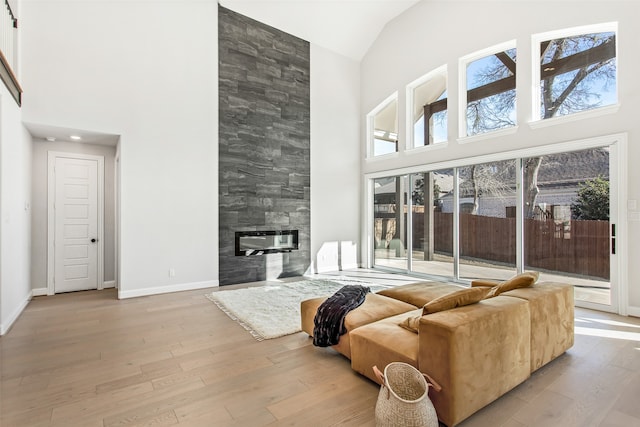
[{"x": 94, "y": 240}]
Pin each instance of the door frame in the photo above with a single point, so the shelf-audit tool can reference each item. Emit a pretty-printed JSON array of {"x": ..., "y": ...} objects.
[{"x": 51, "y": 193}]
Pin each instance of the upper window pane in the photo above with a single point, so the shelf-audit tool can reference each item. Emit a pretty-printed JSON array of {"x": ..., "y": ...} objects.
[
  {"x": 430, "y": 109},
  {"x": 385, "y": 129},
  {"x": 577, "y": 73},
  {"x": 491, "y": 92}
]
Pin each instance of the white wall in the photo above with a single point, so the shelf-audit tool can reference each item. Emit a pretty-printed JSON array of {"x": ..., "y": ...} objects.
[
  {"x": 39, "y": 205},
  {"x": 335, "y": 160},
  {"x": 15, "y": 205},
  {"x": 150, "y": 75},
  {"x": 435, "y": 33},
  {"x": 146, "y": 71}
]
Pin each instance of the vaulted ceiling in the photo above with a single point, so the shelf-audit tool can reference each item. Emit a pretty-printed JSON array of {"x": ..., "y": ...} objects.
[{"x": 348, "y": 27}]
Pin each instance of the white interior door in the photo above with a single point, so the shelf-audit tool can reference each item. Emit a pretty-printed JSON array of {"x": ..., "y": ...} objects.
[{"x": 76, "y": 224}]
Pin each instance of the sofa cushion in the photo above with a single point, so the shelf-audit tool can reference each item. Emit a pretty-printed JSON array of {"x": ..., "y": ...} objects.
[
  {"x": 446, "y": 302},
  {"x": 484, "y": 282},
  {"x": 552, "y": 319},
  {"x": 522, "y": 280},
  {"x": 476, "y": 353},
  {"x": 418, "y": 294},
  {"x": 375, "y": 307},
  {"x": 455, "y": 299},
  {"x": 383, "y": 342},
  {"x": 411, "y": 323}
]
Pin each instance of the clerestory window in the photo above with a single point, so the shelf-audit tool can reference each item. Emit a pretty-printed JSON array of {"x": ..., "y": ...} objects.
[
  {"x": 428, "y": 100},
  {"x": 490, "y": 96},
  {"x": 383, "y": 128},
  {"x": 578, "y": 72}
]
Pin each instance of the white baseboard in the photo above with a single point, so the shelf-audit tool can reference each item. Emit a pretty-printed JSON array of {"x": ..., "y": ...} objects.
[
  {"x": 122, "y": 294},
  {"x": 633, "y": 311},
  {"x": 349, "y": 267},
  {"x": 39, "y": 292},
  {"x": 5, "y": 326}
]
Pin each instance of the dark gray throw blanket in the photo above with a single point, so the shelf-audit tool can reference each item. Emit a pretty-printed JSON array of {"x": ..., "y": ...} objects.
[{"x": 328, "y": 323}]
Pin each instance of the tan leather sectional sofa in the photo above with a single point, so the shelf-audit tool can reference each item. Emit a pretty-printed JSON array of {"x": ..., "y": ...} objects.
[{"x": 476, "y": 352}]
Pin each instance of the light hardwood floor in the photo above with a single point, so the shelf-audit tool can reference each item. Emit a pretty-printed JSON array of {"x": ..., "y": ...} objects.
[{"x": 88, "y": 359}]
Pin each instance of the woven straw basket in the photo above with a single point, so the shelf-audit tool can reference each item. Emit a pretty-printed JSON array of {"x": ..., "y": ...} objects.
[{"x": 403, "y": 400}]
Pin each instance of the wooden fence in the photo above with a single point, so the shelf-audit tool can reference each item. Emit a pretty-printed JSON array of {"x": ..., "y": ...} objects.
[{"x": 576, "y": 247}]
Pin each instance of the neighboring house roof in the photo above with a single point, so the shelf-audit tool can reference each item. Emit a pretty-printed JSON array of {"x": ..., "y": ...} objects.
[
  {"x": 558, "y": 179},
  {"x": 579, "y": 165},
  {"x": 560, "y": 171}
]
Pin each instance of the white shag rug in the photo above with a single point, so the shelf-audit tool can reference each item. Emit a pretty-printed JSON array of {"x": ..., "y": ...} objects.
[{"x": 273, "y": 311}]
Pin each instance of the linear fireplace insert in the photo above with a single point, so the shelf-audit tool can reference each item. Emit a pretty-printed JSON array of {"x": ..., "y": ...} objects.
[{"x": 265, "y": 242}]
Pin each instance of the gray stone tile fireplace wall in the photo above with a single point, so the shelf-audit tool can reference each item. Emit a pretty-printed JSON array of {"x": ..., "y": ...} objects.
[{"x": 264, "y": 169}]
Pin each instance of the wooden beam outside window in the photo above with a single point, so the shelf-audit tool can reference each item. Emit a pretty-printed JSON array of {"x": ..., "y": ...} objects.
[{"x": 604, "y": 52}]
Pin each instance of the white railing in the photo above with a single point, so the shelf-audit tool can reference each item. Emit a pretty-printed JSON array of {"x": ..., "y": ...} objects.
[{"x": 8, "y": 27}]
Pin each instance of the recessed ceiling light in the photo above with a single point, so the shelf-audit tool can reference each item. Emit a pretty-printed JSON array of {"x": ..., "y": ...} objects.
[
  {"x": 75, "y": 137},
  {"x": 50, "y": 139}
]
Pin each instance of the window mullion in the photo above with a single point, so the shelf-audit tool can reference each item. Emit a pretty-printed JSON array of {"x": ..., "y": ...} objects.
[
  {"x": 519, "y": 216},
  {"x": 409, "y": 233},
  {"x": 456, "y": 225}
]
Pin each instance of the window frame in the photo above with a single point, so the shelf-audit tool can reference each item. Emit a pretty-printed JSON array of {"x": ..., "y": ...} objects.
[
  {"x": 462, "y": 91},
  {"x": 370, "y": 132},
  {"x": 618, "y": 142},
  {"x": 535, "y": 120},
  {"x": 411, "y": 88}
]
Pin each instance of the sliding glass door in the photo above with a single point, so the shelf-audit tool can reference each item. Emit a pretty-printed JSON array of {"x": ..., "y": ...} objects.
[
  {"x": 390, "y": 207},
  {"x": 487, "y": 220},
  {"x": 432, "y": 223},
  {"x": 568, "y": 225},
  {"x": 554, "y": 213}
]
